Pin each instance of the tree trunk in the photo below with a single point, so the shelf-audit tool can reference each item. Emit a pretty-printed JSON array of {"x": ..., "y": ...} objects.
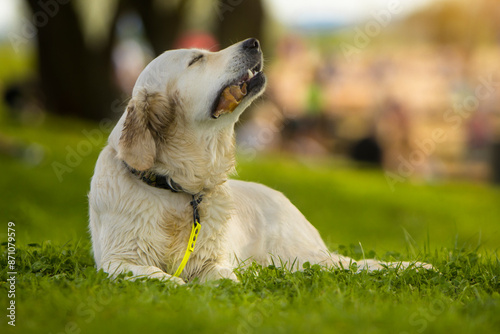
[{"x": 75, "y": 79}]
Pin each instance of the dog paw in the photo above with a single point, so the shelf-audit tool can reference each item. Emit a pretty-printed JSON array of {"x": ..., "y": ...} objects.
[
  {"x": 164, "y": 277},
  {"x": 220, "y": 272},
  {"x": 152, "y": 273},
  {"x": 369, "y": 265},
  {"x": 227, "y": 273},
  {"x": 422, "y": 265},
  {"x": 373, "y": 265}
]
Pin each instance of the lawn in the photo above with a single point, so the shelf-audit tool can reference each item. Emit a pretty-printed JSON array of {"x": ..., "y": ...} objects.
[{"x": 454, "y": 226}]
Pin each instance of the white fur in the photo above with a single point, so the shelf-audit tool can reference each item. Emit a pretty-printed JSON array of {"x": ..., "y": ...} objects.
[{"x": 144, "y": 230}]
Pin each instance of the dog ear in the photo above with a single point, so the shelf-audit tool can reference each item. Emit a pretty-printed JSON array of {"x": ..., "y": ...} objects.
[{"x": 148, "y": 117}]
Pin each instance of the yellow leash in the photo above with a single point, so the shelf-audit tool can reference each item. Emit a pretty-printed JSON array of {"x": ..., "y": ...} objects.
[
  {"x": 190, "y": 248},
  {"x": 195, "y": 230}
]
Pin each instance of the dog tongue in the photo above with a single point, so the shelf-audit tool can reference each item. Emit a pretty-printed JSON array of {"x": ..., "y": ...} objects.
[{"x": 230, "y": 98}]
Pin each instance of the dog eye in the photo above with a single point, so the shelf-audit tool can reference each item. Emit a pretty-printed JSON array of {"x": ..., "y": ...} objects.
[{"x": 195, "y": 59}]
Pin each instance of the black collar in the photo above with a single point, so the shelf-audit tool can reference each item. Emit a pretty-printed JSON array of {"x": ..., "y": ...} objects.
[
  {"x": 156, "y": 180},
  {"x": 165, "y": 182}
]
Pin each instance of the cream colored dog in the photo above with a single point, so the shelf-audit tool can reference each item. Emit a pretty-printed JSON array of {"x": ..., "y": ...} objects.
[{"x": 179, "y": 126}]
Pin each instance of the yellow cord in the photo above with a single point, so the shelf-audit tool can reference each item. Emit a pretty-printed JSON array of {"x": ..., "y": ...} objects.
[{"x": 190, "y": 248}]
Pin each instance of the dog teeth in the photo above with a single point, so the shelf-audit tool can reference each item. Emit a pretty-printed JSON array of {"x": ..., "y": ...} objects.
[{"x": 250, "y": 74}]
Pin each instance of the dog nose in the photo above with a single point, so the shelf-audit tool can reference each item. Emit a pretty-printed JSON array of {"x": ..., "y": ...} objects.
[{"x": 251, "y": 43}]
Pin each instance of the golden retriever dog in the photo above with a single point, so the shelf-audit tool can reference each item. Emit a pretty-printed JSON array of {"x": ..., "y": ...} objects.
[{"x": 166, "y": 169}]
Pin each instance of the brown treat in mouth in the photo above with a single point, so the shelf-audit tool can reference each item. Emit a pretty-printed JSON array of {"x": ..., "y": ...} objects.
[{"x": 230, "y": 98}]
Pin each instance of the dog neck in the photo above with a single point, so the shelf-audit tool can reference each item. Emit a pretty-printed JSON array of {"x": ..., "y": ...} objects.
[{"x": 197, "y": 161}]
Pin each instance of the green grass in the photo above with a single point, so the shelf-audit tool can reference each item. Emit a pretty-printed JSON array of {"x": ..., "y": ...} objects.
[{"x": 454, "y": 226}]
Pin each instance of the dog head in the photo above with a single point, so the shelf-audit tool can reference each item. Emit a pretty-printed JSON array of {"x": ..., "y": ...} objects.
[{"x": 205, "y": 90}]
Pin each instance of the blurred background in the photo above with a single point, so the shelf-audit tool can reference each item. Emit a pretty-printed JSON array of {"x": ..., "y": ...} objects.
[
  {"x": 408, "y": 88},
  {"x": 370, "y": 81}
]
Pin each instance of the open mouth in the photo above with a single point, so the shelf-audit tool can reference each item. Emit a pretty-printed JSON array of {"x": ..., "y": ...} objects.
[{"x": 231, "y": 95}]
